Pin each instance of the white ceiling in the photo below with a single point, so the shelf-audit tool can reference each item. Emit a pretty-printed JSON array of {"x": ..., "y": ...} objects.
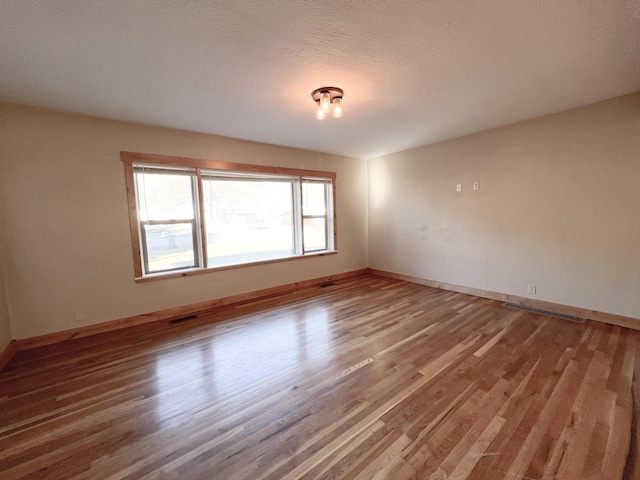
[{"x": 414, "y": 72}]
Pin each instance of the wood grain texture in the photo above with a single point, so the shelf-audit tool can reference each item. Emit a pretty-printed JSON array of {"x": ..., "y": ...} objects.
[
  {"x": 133, "y": 219},
  {"x": 151, "y": 158},
  {"x": 367, "y": 378},
  {"x": 612, "y": 318},
  {"x": 177, "y": 312},
  {"x": 7, "y": 354},
  {"x": 205, "y": 271}
]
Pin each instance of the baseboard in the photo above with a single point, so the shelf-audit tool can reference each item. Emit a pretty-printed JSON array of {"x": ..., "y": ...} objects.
[
  {"x": 613, "y": 319},
  {"x": 177, "y": 312},
  {"x": 7, "y": 354}
]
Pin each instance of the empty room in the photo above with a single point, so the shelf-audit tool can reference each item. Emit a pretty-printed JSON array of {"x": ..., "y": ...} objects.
[{"x": 319, "y": 240}]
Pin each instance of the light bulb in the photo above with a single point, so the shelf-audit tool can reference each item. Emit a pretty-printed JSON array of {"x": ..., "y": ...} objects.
[
  {"x": 320, "y": 113},
  {"x": 325, "y": 101},
  {"x": 337, "y": 107}
]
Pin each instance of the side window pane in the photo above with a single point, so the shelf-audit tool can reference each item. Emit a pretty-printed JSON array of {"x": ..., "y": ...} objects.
[
  {"x": 247, "y": 221},
  {"x": 315, "y": 234},
  {"x": 315, "y": 212},
  {"x": 167, "y": 221},
  {"x": 313, "y": 199},
  {"x": 168, "y": 246},
  {"x": 164, "y": 196}
]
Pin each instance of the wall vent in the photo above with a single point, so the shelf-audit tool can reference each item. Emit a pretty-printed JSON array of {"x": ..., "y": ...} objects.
[
  {"x": 182, "y": 319},
  {"x": 548, "y": 313}
]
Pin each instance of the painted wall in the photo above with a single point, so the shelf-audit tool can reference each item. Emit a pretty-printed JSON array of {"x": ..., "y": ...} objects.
[
  {"x": 5, "y": 325},
  {"x": 65, "y": 230},
  {"x": 558, "y": 206}
]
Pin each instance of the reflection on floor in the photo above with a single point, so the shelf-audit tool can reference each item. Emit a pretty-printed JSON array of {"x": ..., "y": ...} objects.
[{"x": 367, "y": 378}]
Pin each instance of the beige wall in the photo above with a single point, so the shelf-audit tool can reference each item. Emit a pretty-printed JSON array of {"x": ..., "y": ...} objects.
[
  {"x": 5, "y": 325},
  {"x": 558, "y": 206},
  {"x": 65, "y": 230}
]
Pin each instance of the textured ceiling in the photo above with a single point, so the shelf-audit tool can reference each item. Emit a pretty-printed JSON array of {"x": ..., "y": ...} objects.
[{"x": 413, "y": 72}]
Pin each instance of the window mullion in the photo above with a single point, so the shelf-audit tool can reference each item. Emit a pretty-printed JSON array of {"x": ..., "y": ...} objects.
[
  {"x": 326, "y": 218},
  {"x": 145, "y": 252},
  {"x": 331, "y": 216},
  {"x": 301, "y": 216},
  {"x": 173, "y": 221},
  {"x": 201, "y": 219}
]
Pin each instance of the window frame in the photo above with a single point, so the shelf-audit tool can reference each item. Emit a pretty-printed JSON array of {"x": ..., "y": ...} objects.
[
  {"x": 135, "y": 223},
  {"x": 329, "y": 206}
]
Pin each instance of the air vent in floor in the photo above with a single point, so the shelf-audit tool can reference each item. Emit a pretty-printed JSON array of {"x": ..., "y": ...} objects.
[{"x": 548, "y": 313}]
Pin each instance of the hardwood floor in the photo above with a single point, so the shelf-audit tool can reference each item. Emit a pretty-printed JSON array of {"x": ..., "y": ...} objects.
[{"x": 370, "y": 378}]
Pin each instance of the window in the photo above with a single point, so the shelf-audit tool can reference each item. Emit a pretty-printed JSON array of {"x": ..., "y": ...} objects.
[
  {"x": 190, "y": 215},
  {"x": 316, "y": 221}
]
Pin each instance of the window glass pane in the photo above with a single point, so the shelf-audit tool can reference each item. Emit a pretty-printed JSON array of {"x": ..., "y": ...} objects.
[
  {"x": 247, "y": 221},
  {"x": 313, "y": 199},
  {"x": 164, "y": 196},
  {"x": 169, "y": 246},
  {"x": 315, "y": 237}
]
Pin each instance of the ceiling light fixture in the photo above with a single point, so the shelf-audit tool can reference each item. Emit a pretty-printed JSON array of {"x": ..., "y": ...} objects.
[{"x": 327, "y": 98}]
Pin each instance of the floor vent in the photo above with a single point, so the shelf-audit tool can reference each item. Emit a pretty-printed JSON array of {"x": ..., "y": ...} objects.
[
  {"x": 548, "y": 313},
  {"x": 182, "y": 319},
  {"x": 326, "y": 284}
]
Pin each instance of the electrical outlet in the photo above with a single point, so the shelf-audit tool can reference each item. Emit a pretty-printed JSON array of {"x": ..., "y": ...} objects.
[
  {"x": 80, "y": 315},
  {"x": 531, "y": 288},
  {"x": 476, "y": 185},
  {"x": 459, "y": 187}
]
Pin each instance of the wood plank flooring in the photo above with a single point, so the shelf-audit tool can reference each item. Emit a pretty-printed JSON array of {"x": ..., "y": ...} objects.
[{"x": 370, "y": 378}]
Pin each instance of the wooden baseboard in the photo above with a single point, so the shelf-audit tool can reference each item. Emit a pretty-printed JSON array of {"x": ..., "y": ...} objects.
[
  {"x": 611, "y": 318},
  {"x": 7, "y": 354},
  {"x": 178, "y": 312}
]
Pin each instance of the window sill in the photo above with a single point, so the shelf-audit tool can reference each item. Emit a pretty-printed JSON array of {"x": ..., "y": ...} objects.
[{"x": 199, "y": 271}]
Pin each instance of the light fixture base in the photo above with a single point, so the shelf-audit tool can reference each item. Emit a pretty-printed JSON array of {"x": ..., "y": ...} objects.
[{"x": 334, "y": 92}]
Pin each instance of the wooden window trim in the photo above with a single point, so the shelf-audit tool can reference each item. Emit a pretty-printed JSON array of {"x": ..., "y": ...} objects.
[
  {"x": 129, "y": 158},
  {"x": 133, "y": 157},
  {"x": 133, "y": 219},
  {"x": 187, "y": 273}
]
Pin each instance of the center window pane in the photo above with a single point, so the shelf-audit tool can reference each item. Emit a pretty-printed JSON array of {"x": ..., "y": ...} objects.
[{"x": 247, "y": 221}]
